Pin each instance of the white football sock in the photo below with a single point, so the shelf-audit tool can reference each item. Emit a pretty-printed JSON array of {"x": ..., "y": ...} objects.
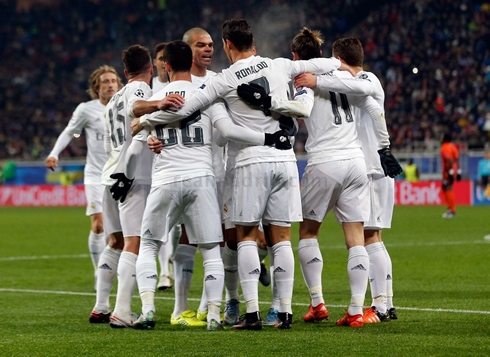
[
  {"x": 106, "y": 272},
  {"x": 96, "y": 245},
  {"x": 284, "y": 274},
  {"x": 184, "y": 259},
  {"x": 214, "y": 278},
  {"x": 230, "y": 262},
  {"x": 249, "y": 272},
  {"x": 164, "y": 254},
  {"x": 275, "y": 293},
  {"x": 358, "y": 270},
  {"x": 389, "y": 280},
  {"x": 126, "y": 283},
  {"x": 378, "y": 270},
  {"x": 311, "y": 261},
  {"x": 146, "y": 272}
]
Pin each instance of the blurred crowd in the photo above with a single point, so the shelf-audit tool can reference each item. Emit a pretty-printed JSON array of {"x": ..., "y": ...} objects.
[{"x": 433, "y": 58}]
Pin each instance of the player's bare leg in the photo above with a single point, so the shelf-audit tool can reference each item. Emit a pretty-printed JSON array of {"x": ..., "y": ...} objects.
[
  {"x": 311, "y": 261},
  {"x": 106, "y": 272}
]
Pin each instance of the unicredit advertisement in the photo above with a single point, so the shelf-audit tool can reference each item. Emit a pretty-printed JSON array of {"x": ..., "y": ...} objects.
[{"x": 430, "y": 193}]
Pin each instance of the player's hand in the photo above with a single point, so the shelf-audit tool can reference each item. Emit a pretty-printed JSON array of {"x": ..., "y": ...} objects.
[
  {"x": 458, "y": 175},
  {"x": 135, "y": 126},
  {"x": 254, "y": 94},
  {"x": 154, "y": 144},
  {"x": 305, "y": 80},
  {"x": 51, "y": 163},
  {"x": 347, "y": 68},
  {"x": 389, "y": 163},
  {"x": 121, "y": 188},
  {"x": 287, "y": 124},
  {"x": 171, "y": 101},
  {"x": 279, "y": 140}
]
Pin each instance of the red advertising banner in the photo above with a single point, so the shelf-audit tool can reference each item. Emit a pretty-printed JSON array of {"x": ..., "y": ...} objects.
[
  {"x": 430, "y": 193},
  {"x": 43, "y": 196}
]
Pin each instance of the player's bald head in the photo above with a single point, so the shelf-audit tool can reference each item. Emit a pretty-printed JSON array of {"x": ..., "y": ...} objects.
[{"x": 192, "y": 33}]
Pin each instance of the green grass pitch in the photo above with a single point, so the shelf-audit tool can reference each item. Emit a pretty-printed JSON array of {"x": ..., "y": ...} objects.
[{"x": 441, "y": 283}]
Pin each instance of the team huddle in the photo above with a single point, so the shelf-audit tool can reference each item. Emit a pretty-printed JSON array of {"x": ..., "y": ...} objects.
[{"x": 197, "y": 159}]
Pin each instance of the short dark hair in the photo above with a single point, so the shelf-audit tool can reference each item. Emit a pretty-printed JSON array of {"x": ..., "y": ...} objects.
[
  {"x": 178, "y": 55},
  {"x": 238, "y": 32},
  {"x": 136, "y": 59},
  {"x": 447, "y": 138},
  {"x": 307, "y": 44},
  {"x": 350, "y": 50},
  {"x": 158, "y": 47}
]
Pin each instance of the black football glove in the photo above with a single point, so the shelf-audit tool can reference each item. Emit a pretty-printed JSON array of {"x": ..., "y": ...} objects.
[
  {"x": 390, "y": 165},
  {"x": 121, "y": 188},
  {"x": 287, "y": 124},
  {"x": 458, "y": 175},
  {"x": 254, "y": 94},
  {"x": 279, "y": 139}
]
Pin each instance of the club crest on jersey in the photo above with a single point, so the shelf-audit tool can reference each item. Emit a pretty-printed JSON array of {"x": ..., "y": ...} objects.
[{"x": 139, "y": 93}]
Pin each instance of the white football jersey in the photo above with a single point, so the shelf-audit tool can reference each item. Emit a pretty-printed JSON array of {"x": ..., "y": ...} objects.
[
  {"x": 332, "y": 131},
  {"x": 218, "y": 151},
  {"x": 88, "y": 116},
  {"x": 156, "y": 85},
  {"x": 118, "y": 133},
  {"x": 272, "y": 74},
  {"x": 366, "y": 133},
  {"x": 186, "y": 143}
]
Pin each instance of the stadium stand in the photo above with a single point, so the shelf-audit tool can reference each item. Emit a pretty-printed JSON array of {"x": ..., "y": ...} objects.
[{"x": 49, "y": 47}]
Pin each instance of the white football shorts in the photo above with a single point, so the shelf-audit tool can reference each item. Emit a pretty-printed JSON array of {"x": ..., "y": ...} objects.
[
  {"x": 339, "y": 185},
  {"x": 382, "y": 197},
  {"x": 227, "y": 198},
  {"x": 94, "y": 193},
  {"x": 192, "y": 202},
  {"x": 266, "y": 190},
  {"x": 125, "y": 217}
]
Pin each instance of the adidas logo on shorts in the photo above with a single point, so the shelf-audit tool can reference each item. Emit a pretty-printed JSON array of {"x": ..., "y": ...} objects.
[
  {"x": 359, "y": 267},
  {"x": 147, "y": 234},
  {"x": 388, "y": 277},
  {"x": 312, "y": 213}
]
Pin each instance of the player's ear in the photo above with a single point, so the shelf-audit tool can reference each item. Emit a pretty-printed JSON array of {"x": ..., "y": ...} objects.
[
  {"x": 167, "y": 67},
  {"x": 126, "y": 74},
  {"x": 295, "y": 56}
]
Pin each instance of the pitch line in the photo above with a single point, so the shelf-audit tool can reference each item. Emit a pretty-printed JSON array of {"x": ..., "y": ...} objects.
[
  {"x": 389, "y": 245},
  {"x": 262, "y": 302}
]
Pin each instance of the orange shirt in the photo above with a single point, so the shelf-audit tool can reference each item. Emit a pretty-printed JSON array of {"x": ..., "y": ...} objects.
[{"x": 449, "y": 151}]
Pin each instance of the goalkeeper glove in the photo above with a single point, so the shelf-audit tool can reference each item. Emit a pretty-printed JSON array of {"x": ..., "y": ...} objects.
[
  {"x": 279, "y": 139},
  {"x": 390, "y": 165},
  {"x": 254, "y": 94},
  {"x": 121, "y": 188}
]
